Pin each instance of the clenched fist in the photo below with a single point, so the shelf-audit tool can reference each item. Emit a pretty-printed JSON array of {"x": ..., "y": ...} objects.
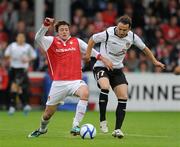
[{"x": 48, "y": 21}]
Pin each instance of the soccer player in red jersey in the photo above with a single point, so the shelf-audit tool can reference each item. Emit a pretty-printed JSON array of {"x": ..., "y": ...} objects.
[{"x": 64, "y": 60}]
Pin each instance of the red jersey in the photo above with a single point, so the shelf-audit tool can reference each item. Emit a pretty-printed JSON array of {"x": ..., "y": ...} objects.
[
  {"x": 64, "y": 59},
  {"x": 3, "y": 79}
]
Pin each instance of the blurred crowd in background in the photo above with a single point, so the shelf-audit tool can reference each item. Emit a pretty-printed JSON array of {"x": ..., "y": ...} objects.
[{"x": 157, "y": 22}]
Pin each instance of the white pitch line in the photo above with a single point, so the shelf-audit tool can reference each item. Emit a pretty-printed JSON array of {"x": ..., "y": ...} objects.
[{"x": 147, "y": 136}]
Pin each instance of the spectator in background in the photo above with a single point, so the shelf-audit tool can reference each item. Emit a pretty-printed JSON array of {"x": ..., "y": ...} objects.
[
  {"x": 25, "y": 14},
  {"x": 3, "y": 87},
  {"x": 129, "y": 9},
  {"x": 3, "y": 43},
  {"x": 74, "y": 30},
  {"x": 150, "y": 30},
  {"x": 143, "y": 66},
  {"x": 78, "y": 14},
  {"x": 177, "y": 70},
  {"x": 3, "y": 7},
  {"x": 89, "y": 32},
  {"x": 98, "y": 22},
  {"x": 3, "y": 32},
  {"x": 109, "y": 14},
  {"x": 157, "y": 70},
  {"x": 168, "y": 58},
  {"x": 157, "y": 8},
  {"x": 138, "y": 16},
  {"x": 171, "y": 8},
  {"x": 10, "y": 18},
  {"x": 19, "y": 54},
  {"x": 82, "y": 27},
  {"x": 132, "y": 61},
  {"x": 171, "y": 30},
  {"x": 20, "y": 28}
]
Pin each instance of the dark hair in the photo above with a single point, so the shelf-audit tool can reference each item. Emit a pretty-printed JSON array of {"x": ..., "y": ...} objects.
[
  {"x": 59, "y": 23},
  {"x": 125, "y": 19}
]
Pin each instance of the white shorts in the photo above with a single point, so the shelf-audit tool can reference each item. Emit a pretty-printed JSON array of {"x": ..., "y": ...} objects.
[{"x": 61, "y": 89}]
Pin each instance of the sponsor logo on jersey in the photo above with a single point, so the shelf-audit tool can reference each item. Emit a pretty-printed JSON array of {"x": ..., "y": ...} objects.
[
  {"x": 61, "y": 50},
  {"x": 119, "y": 53}
]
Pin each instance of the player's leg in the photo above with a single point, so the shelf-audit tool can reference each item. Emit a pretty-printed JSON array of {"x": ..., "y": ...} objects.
[
  {"x": 24, "y": 97},
  {"x": 12, "y": 97},
  {"x": 103, "y": 83},
  {"x": 103, "y": 100},
  {"x": 56, "y": 95},
  {"x": 48, "y": 113},
  {"x": 13, "y": 87},
  {"x": 83, "y": 93},
  {"x": 121, "y": 92},
  {"x": 24, "y": 94}
]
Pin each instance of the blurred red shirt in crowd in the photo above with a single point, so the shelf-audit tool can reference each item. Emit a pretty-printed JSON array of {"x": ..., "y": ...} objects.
[{"x": 3, "y": 78}]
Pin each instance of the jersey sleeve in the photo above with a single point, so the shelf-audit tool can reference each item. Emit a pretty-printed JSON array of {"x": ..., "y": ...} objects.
[
  {"x": 42, "y": 40},
  {"x": 138, "y": 42},
  {"x": 83, "y": 47},
  {"x": 32, "y": 52},
  {"x": 8, "y": 50},
  {"x": 99, "y": 37}
]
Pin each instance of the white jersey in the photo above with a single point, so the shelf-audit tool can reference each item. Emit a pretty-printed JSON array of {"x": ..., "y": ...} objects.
[
  {"x": 18, "y": 52},
  {"x": 46, "y": 41},
  {"x": 115, "y": 48}
]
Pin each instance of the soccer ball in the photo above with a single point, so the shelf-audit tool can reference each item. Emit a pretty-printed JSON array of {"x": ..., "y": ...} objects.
[{"x": 87, "y": 131}]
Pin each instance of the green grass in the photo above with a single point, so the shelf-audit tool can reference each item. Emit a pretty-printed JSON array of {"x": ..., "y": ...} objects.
[{"x": 142, "y": 129}]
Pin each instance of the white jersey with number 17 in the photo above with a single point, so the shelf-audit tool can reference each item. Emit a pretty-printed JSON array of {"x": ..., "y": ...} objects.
[{"x": 115, "y": 48}]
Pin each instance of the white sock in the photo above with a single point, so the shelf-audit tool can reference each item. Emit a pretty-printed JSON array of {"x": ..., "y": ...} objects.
[
  {"x": 80, "y": 111},
  {"x": 43, "y": 125}
]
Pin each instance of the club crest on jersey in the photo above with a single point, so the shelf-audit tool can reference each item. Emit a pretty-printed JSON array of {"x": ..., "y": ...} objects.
[
  {"x": 70, "y": 42},
  {"x": 128, "y": 45}
]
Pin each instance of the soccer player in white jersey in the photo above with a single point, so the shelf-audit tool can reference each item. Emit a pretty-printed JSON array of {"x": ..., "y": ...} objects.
[
  {"x": 115, "y": 41},
  {"x": 20, "y": 54},
  {"x": 64, "y": 61}
]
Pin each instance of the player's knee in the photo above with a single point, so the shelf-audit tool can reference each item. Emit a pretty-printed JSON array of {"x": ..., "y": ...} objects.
[
  {"x": 47, "y": 116},
  {"x": 105, "y": 87},
  {"x": 123, "y": 96},
  {"x": 85, "y": 95}
]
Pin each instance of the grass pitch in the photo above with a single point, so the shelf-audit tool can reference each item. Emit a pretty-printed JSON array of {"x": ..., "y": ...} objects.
[{"x": 142, "y": 129}]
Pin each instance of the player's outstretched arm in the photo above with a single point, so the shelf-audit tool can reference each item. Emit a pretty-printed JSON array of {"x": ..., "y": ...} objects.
[
  {"x": 40, "y": 38},
  {"x": 152, "y": 58}
]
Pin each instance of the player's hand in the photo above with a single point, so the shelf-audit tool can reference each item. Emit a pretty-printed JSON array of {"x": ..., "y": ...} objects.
[
  {"x": 159, "y": 64},
  {"x": 48, "y": 21},
  {"x": 107, "y": 63}
]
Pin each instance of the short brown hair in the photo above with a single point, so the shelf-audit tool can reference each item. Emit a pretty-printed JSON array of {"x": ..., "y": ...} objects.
[
  {"x": 125, "y": 19},
  {"x": 59, "y": 23}
]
